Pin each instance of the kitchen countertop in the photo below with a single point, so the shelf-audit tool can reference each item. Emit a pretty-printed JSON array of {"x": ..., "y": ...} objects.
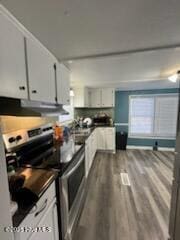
[{"x": 37, "y": 181}]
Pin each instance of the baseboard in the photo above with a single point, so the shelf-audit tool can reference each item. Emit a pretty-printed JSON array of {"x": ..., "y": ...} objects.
[
  {"x": 151, "y": 148},
  {"x": 109, "y": 151},
  {"x": 166, "y": 149},
  {"x": 139, "y": 147}
]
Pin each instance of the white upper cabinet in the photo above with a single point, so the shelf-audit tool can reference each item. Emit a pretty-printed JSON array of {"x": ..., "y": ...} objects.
[
  {"x": 12, "y": 60},
  {"x": 95, "y": 98},
  {"x": 103, "y": 97},
  {"x": 41, "y": 74},
  {"x": 107, "y": 97},
  {"x": 63, "y": 84},
  {"x": 82, "y": 97},
  {"x": 27, "y": 67}
]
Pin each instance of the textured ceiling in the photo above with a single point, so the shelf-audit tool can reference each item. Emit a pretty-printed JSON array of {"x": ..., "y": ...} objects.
[
  {"x": 78, "y": 28},
  {"x": 74, "y": 28},
  {"x": 131, "y": 71}
]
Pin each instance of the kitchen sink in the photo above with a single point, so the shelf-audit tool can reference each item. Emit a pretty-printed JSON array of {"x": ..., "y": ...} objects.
[
  {"x": 80, "y": 139},
  {"x": 82, "y": 131},
  {"x": 80, "y": 135}
]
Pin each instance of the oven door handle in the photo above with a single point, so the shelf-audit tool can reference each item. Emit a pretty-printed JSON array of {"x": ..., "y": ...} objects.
[{"x": 71, "y": 171}]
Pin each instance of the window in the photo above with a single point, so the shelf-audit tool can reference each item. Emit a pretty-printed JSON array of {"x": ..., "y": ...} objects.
[
  {"x": 153, "y": 116},
  {"x": 70, "y": 110},
  {"x": 166, "y": 116},
  {"x": 141, "y": 115}
]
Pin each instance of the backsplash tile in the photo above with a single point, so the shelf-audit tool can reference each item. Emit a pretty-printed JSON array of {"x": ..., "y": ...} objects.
[
  {"x": 11, "y": 123},
  {"x": 90, "y": 112}
]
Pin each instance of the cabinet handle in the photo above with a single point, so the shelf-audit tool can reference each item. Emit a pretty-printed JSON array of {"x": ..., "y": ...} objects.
[
  {"x": 43, "y": 207},
  {"x": 34, "y": 91},
  {"x": 22, "y": 88}
]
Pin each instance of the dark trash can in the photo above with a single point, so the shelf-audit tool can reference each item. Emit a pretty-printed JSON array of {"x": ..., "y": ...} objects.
[{"x": 121, "y": 140}]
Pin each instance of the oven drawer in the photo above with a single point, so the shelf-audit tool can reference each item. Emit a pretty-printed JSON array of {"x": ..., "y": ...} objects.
[{"x": 35, "y": 215}]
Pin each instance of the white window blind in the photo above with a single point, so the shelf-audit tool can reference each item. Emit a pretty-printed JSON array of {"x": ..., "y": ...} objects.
[
  {"x": 166, "y": 116},
  {"x": 153, "y": 116},
  {"x": 141, "y": 115}
]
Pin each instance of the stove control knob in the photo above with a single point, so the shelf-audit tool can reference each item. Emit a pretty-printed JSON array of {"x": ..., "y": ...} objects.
[
  {"x": 18, "y": 138},
  {"x": 11, "y": 140}
]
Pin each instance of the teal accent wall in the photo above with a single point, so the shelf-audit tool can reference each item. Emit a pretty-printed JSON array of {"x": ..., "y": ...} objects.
[{"x": 122, "y": 115}]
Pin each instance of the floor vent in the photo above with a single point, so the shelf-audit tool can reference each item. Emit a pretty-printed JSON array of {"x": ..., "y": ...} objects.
[{"x": 125, "y": 179}]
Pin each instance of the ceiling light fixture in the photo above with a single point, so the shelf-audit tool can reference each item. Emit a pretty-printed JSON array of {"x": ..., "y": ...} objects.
[{"x": 174, "y": 77}]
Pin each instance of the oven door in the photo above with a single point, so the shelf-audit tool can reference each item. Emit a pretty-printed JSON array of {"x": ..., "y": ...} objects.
[{"x": 72, "y": 195}]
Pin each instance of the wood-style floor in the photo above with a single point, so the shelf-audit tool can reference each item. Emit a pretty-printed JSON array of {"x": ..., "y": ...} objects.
[{"x": 114, "y": 211}]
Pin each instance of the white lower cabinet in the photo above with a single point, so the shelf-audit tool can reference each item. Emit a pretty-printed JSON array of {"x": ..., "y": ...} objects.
[
  {"x": 87, "y": 156},
  {"x": 106, "y": 138},
  {"x": 48, "y": 224},
  {"x": 109, "y": 138},
  {"x": 90, "y": 149},
  {"x": 102, "y": 138},
  {"x": 94, "y": 143},
  {"x": 41, "y": 223}
]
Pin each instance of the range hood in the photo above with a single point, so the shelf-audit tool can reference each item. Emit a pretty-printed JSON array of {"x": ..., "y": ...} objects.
[
  {"x": 17, "y": 107},
  {"x": 45, "y": 109}
]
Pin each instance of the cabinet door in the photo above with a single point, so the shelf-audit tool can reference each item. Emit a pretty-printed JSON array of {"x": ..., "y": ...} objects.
[
  {"x": 95, "y": 98},
  {"x": 107, "y": 97},
  {"x": 79, "y": 97},
  {"x": 49, "y": 223},
  {"x": 109, "y": 142},
  {"x": 63, "y": 84},
  {"x": 96, "y": 140},
  {"x": 12, "y": 61},
  {"x": 109, "y": 138},
  {"x": 88, "y": 155},
  {"x": 87, "y": 97},
  {"x": 92, "y": 150},
  {"x": 82, "y": 97},
  {"x": 94, "y": 144},
  {"x": 41, "y": 73},
  {"x": 101, "y": 138}
]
